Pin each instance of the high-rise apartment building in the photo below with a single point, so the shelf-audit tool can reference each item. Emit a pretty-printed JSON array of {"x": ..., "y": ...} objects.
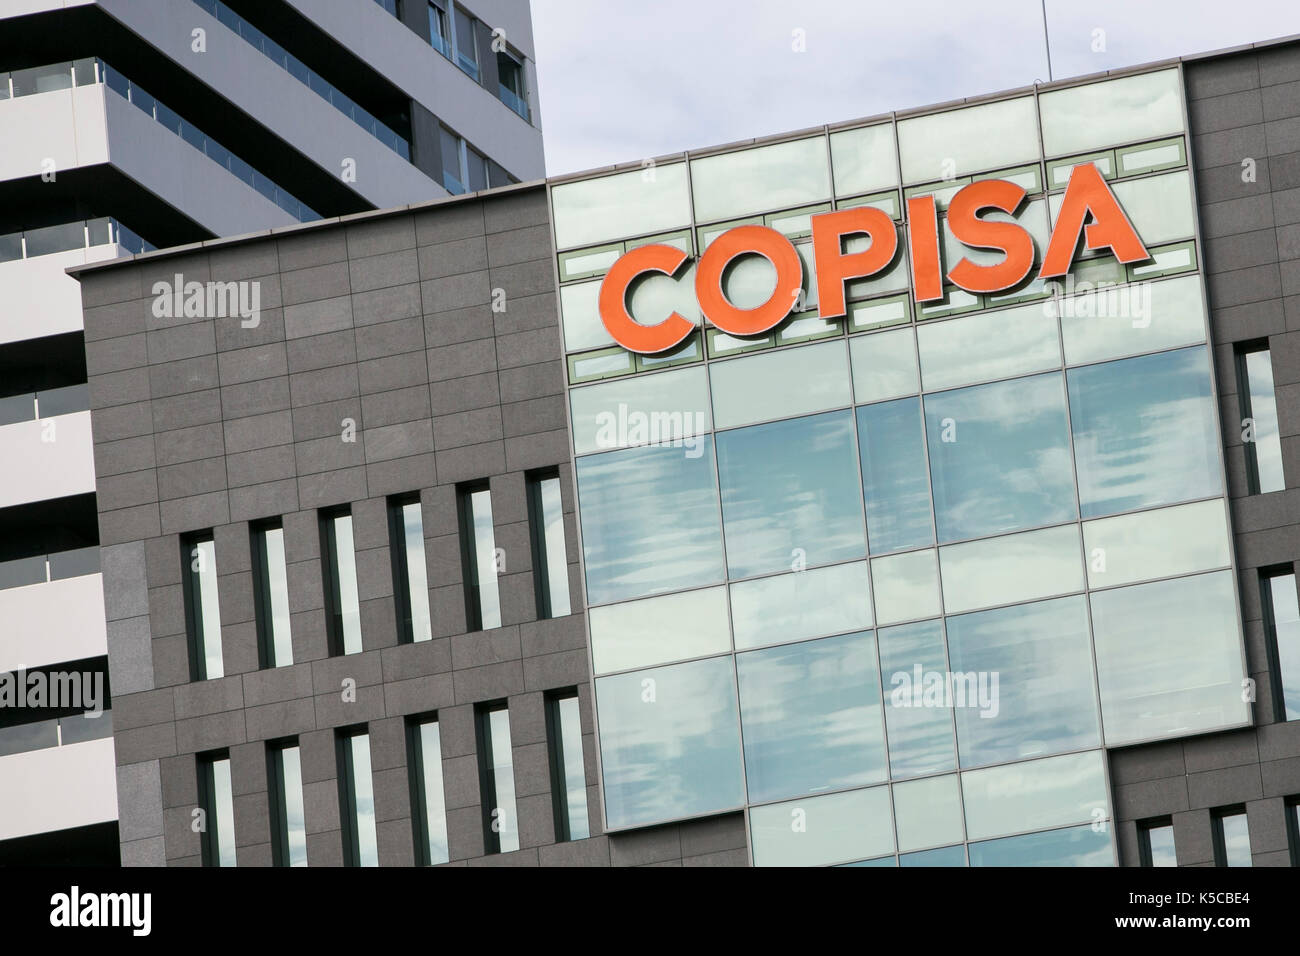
[
  {"x": 128, "y": 125},
  {"x": 761, "y": 504}
]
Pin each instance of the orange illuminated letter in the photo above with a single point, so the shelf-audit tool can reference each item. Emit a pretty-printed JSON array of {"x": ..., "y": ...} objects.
[
  {"x": 834, "y": 266},
  {"x": 1088, "y": 193},
  {"x": 627, "y": 332},
  {"x": 923, "y": 223},
  {"x": 968, "y": 228},
  {"x": 768, "y": 243}
]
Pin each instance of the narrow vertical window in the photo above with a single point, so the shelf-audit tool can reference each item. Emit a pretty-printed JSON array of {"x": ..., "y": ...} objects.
[
  {"x": 438, "y": 35},
  {"x": 202, "y": 615},
  {"x": 510, "y": 82},
  {"x": 271, "y": 596},
  {"x": 428, "y": 803},
  {"x": 466, "y": 51},
  {"x": 1156, "y": 843},
  {"x": 476, "y": 169},
  {"x": 568, "y": 773},
  {"x": 1231, "y": 837},
  {"x": 550, "y": 559},
  {"x": 497, "y": 778},
  {"x": 1282, "y": 631},
  {"x": 357, "y": 799},
  {"x": 217, "y": 802},
  {"x": 453, "y": 177},
  {"x": 479, "y": 558},
  {"x": 1293, "y": 828},
  {"x": 339, "y": 565},
  {"x": 1259, "y": 418},
  {"x": 410, "y": 579},
  {"x": 288, "y": 822}
]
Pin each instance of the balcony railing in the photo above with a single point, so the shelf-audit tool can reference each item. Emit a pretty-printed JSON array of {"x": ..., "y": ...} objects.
[
  {"x": 43, "y": 568},
  {"x": 69, "y": 235},
  {"x": 309, "y": 77},
  {"x": 30, "y": 406},
  {"x": 514, "y": 101},
  {"x": 46, "y": 79},
  {"x": 55, "y": 732}
]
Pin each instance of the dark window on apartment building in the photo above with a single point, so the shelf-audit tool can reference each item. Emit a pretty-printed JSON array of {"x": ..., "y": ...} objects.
[
  {"x": 216, "y": 799},
  {"x": 1156, "y": 842},
  {"x": 356, "y": 798},
  {"x": 510, "y": 80},
  {"x": 550, "y": 557},
  {"x": 478, "y": 557},
  {"x": 568, "y": 771},
  {"x": 439, "y": 32},
  {"x": 1281, "y": 606},
  {"x": 1231, "y": 837},
  {"x": 271, "y": 595},
  {"x": 339, "y": 566},
  {"x": 202, "y": 613},
  {"x": 428, "y": 802},
  {"x": 410, "y": 575},
  {"x": 1259, "y": 418},
  {"x": 465, "y": 42},
  {"x": 288, "y": 822},
  {"x": 496, "y": 778}
]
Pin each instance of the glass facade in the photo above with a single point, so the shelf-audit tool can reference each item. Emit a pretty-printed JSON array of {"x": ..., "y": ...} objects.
[{"x": 892, "y": 582}]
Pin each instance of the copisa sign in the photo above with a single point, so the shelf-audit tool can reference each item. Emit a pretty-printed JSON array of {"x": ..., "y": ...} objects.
[{"x": 1086, "y": 195}]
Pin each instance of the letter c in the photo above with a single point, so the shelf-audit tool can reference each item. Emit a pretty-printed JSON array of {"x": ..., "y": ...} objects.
[{"x": 612, "y": 303}]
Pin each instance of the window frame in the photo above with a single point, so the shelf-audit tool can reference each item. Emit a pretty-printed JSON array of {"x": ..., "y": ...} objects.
[
  {"x": 555, "y": 753},
  {"x": 278, "y": 797},
  {"x": 263, "y": 611},
  {"x": 542, "y": 571},
  {"x": 191, "y": 591},
  {"x": 1273, "y": 652},
  {"x": 1246, "y": 403},
  {"x": 469, "y": 552},
  {"x": 402, "y": 595},
  {"x": 488, "y": 790},
  {"x": 1144, "y": 828},
  {"x": 210, "y": 837},
  {"x": 347, "y": 783},
  {"x": 1217, "y": 816},
  {"x": 418, "y": 781},
  {"x": 332, "y": 581}
]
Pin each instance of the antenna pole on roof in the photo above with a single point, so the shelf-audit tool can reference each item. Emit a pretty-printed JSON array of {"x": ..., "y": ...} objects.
[{"x": 1047, "y": 43}]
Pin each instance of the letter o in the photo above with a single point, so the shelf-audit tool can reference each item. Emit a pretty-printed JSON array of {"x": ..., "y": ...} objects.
[{"x": 773, "y": 247}]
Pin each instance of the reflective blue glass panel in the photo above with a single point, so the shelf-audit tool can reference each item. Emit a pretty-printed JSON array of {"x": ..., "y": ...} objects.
[
  {"x": 920, "y": 734},
  {"x": 811, "y": 717},
  {"x": 1073, "y": 846},
  {"x": 669, "y": 742},
  {"x": 649, "y": 521},
  {"x": 893, "y": 475},
  {"x": 790, "y": 494},
  {"x": 1144, "y": 431},
  {"x": 944, "y": 856},
  {"x": 999, "y": 457}
]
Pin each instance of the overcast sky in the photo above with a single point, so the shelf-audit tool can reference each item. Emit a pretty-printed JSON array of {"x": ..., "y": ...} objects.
[{"x": 622, "y": 80}]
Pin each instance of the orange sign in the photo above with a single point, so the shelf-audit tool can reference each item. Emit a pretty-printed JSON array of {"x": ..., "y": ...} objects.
[{"x": 1088, "y": 207}]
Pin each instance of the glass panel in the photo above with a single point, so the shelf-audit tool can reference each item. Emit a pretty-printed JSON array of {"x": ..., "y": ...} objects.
[
  {"x": 894, "y": 278},
  {"x": 42, "y": 79},
  {"x": 277, "y": 581},
  {"x": 51, "y": 239},
  {"x": 435, "y": 802},
  {"x": 650, "y": 522},
  {"x": 1144, "y": 431},
  {"x": 670, "y": 408},
  {"x": 790, "y": 607},
  {"x": 767, "y": 177},
  {"x": 928, "y": 813},
  {"x": 1035, "y": 794},
  {"x": 601, "y": 364},
  {"x": 1152, "y": 156},
  {"x": 1156, "y": 544},
  {"x": 1014, "y": 567},
  {"x": 500, "y": 802},
  {"x": 1095, "y": 115},
  {"x": 1263, "y": 412},
  {"x": 670, "y": 742},
  {"x": 574, "y": 773},
  {"x": 913, "y": 663},
  {"x": 417, "y": 579},
  {"x": 295, "y": 822},
  {"x": 203, "y": 570},
  {"x": 811, "y": 719},
  {"x": 17, "y": 408},
  {"x": 349, "y": 608},
  {"x": 817, "y": 831},
  {"x": 74, "y": 563},
  {"x": 999, "y": 457},
  {"x": 790, "y": 495},
  {"x": 863, "y": 160},
  {"x": 223, "y": 812},
  {"x": 969, "y": 140},
  {"x": 1022, "y": 681},
  {"x": 67, "y": 400},
  {"x": 1075, "y": 846},
  {"x": 653, "y": 297},
  {"x": 78, "y": 729},
  {"x": 363, "y": 794},
  {"x": 988, "y": 346},
  {"x": 654, "y": 199},
  {"x": 476, "y": 168},
  {"x": 896, "y": 486},
  {"x": 879, "y": 313},
  {"x": 1160, "y": 845},
  {"x": 1282, "y": 602},
  {"x": 449, "y": 147},
  {"x": 576, "y": 265},
  {"x": 906, "y": 587},
  {"x": 1168, "y": 658},
  {"x": 944, "y": 856},
  {"x": 884, "y": 365},
  {"x": 552, "y": 572},
  {"x": 1160, "y": 207},
  {"x": 660, "y": 630},
  {"x": 1235, "y": 836},
  {"x": 782, "y": 384},
  {"x": 1130, "y": 319},
  {"x": 485, "y": 597},
  {"x": 23, "y": 738}
]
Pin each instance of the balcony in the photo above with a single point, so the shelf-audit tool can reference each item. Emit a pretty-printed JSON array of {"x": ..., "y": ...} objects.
[
  {"x": 56, "y": 788},
  {"x": 56, "y": 453}
]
